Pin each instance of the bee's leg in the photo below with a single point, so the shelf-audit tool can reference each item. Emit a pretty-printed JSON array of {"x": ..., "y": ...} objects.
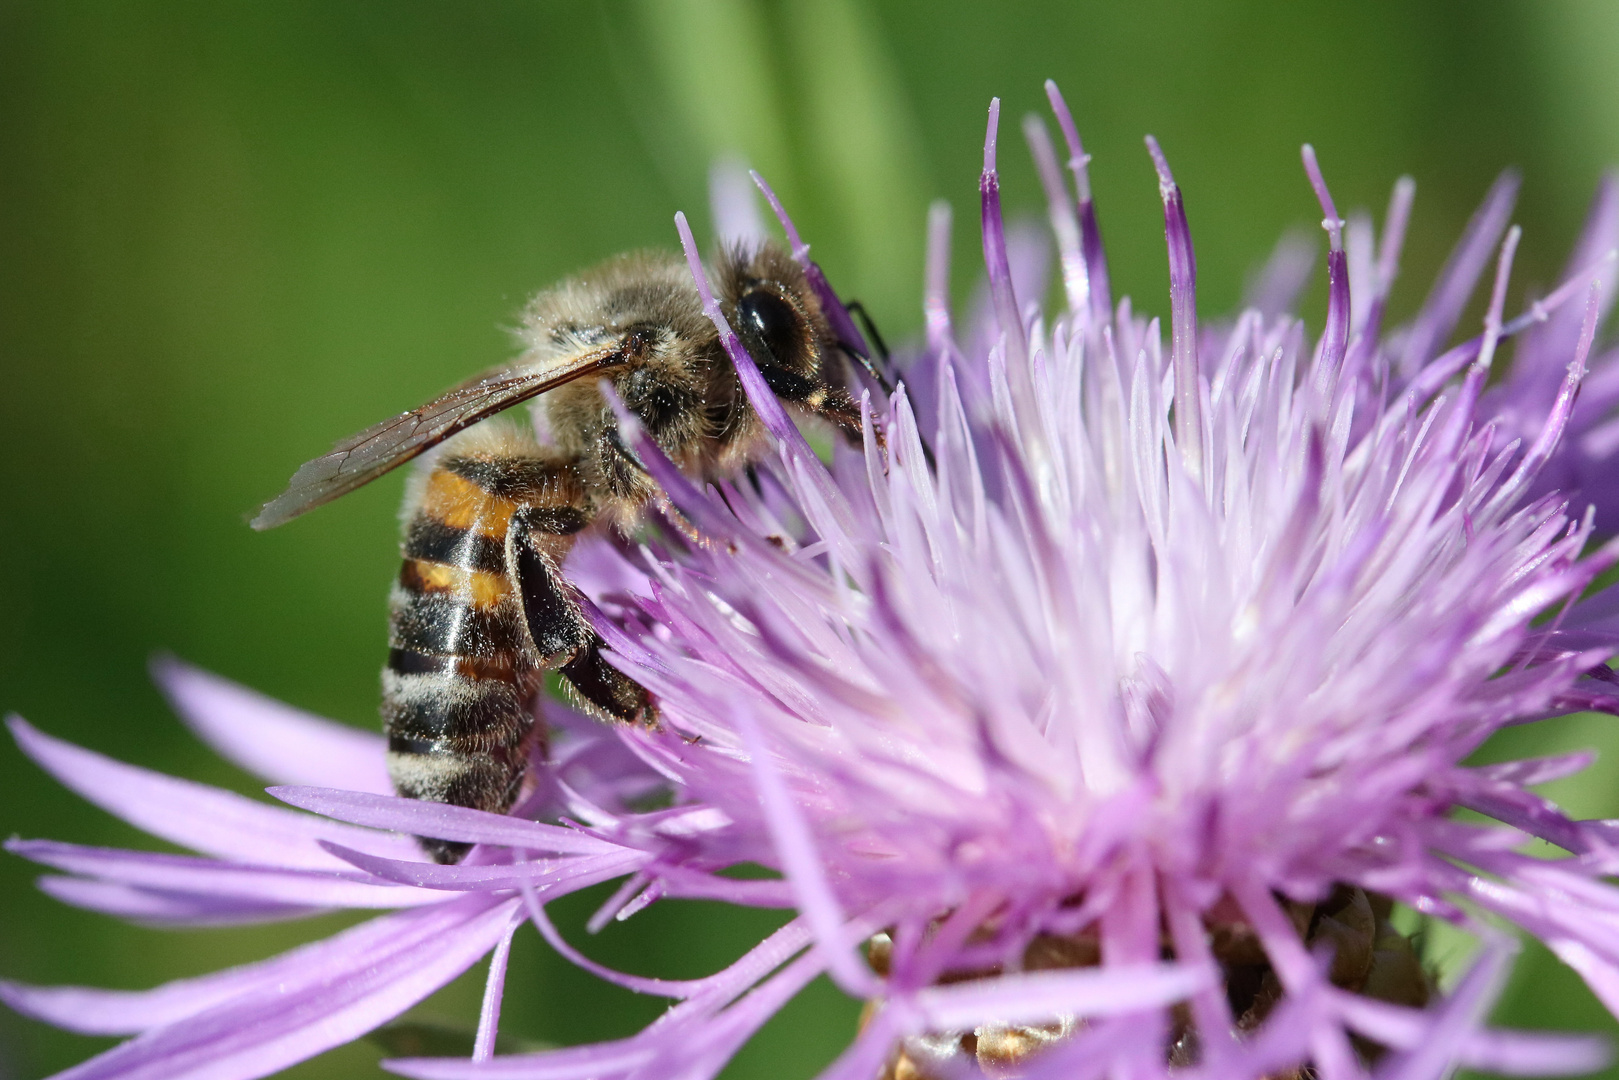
[
  {"x": 540, "y": 538},
  {"x": 858, "y": 310},
  {"x": 834, "y": 404},
  {"x": 829, "y": 402},
  {"x": 605, "y": 689},
  {"x": 882, "y": 369}
]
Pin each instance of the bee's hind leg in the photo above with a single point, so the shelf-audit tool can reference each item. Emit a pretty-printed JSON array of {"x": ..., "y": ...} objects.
[
  {"x": 605, "y": 690},
  {"x": 564, "y": 639}
]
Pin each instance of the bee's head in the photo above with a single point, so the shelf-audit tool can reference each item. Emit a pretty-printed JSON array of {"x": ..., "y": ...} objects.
[
  {"x": 780, "y": 322},
  {"x": 661, "y": 384}
]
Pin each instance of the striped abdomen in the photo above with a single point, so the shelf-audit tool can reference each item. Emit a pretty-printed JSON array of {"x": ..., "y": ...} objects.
[{"x": 462, "y": 671}]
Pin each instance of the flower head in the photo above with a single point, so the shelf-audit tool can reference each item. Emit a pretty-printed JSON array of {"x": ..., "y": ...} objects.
[{"x": 1096, "y": 713}]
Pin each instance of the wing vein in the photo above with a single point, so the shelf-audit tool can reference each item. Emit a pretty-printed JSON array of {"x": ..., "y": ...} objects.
[{"x": 381, "y": 448}]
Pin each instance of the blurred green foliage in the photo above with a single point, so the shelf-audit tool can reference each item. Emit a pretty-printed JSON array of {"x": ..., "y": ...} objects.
[{"x": 232, "y": 232}]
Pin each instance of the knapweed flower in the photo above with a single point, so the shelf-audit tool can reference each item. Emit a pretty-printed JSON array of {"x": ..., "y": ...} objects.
[{"x": 1095, "y": 715}]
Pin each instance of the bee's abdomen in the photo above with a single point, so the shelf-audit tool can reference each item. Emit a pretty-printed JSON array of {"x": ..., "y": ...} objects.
[{"x": 459, "y": 684}]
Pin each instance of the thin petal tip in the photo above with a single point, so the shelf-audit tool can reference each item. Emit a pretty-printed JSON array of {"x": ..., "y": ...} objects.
[
  {"x": 990, "y": 135},
  {"x": 16, "y": 996},
  {"x": 1332, "y": 223},
  {"x": 163, "y": 665},
  {"x": 1166, "y": 179}
]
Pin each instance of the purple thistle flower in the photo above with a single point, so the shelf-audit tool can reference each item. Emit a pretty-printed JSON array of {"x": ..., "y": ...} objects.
[{"x": 1094, "y": 716}]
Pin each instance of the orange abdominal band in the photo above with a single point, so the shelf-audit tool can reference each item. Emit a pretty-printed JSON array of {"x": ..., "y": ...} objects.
[
  {"x": 482, "y": 590},
  {"x": 460, "y": 503}
]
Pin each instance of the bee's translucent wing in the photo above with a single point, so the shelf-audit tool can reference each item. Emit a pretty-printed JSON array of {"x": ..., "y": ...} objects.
[{"x": 360, "y": 459}]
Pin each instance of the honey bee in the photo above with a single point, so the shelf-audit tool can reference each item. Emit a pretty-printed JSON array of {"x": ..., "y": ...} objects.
[{"x": 480, "y": 610}]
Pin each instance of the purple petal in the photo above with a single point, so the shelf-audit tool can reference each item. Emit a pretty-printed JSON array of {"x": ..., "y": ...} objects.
[
  {"x": 1457, "y": 1018},
  {"x": 795, "y": 847},
  {"x": 1335, "y": 335},
  {"x": 1531, "y": 771},
  {"x": 595, "y": 1061},
  {"x": 1060, "y": 211},
  {"x": 483, "y": 1047},
  {"x": 550, "y": 876},
  {"x": 209, "y": 877},
  {"x": 127, "y": 1012},
  {"x": 1028, "y": 258},
  {"x": 749, "y": 892},
  {"x": 1090, "y": 234},
  {"x": 731, "y": 203},
  {"x": 1275, "y": 287},
  {"x": 1545, "y": 349},
  {"x": 1367, "y": 318},
  {"x": 670, "y": 988},
  {"x": 1550, "y": 439},
  {"x": 1534, "y": 1053},
  {"x": 843, "y": 325},
  {"x": 936, "y": 298},
  {"x": 764, "y": 402},
  {"x": 262, "y": 1032},
  {"x": 1034, "y": 997},
  {"x": 282, "y": 744},
  {"x": 702, "y": 1052},
  {"x": 1104, "y": 1048},
  {"x": 865, "y": 1057},
  {"x": 1498, "y": 296},
  {"x": 202, "y": 818},
  {"x": 1502, "y": 1051},
  {"x": 1563, "y": 924},
  {"x": 1455, "y": 284},
  {"x": 1529, "y": 812},
  {"x": 690, "y": 1041},
  {"x": 443, "y": 821},
  {"x": 1008, "y": 316},
  {"x": 1183, "y": 316},
  {"x": 160, "y": 907}
]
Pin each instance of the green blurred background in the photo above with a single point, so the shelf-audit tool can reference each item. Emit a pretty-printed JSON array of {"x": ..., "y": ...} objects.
[{"x": 231, "y": 232}]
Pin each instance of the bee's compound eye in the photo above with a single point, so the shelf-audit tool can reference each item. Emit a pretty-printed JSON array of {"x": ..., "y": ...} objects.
[{"x": 772, "y": 322}]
